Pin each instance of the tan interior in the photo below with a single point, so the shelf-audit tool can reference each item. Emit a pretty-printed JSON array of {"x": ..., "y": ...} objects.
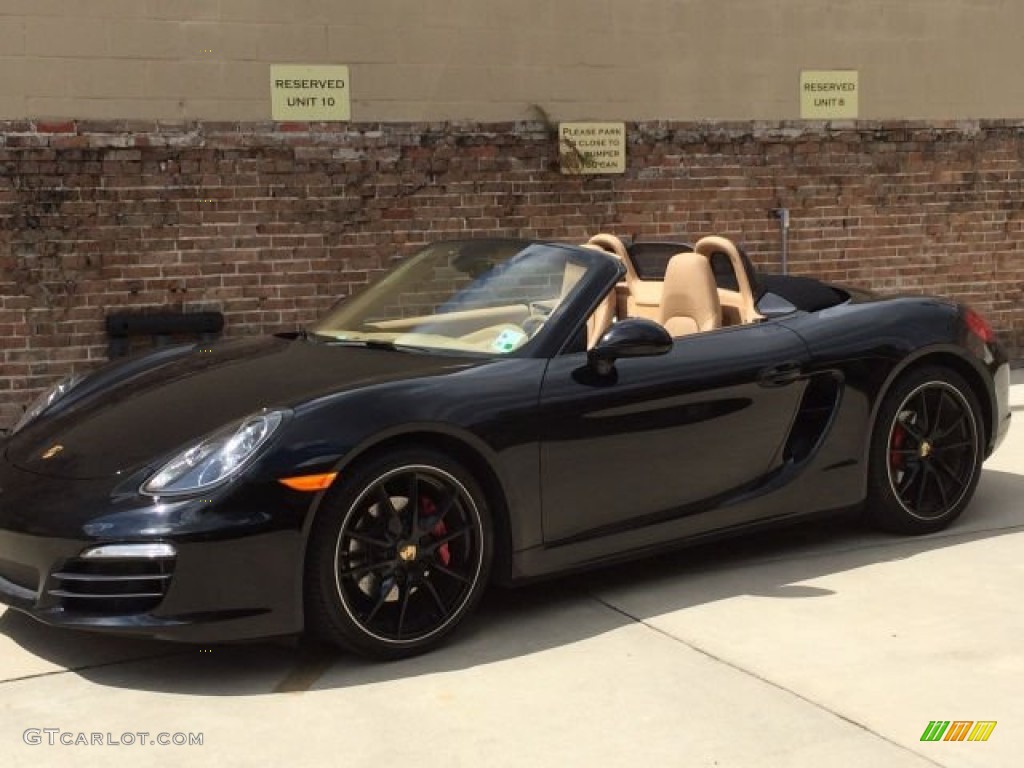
[
  {"x": 601, "y": 319},
  {"x": 739, "y": 305},
  {"x": 682, "y": 303},
  {"x": 603, "y": 316},
  {"x": 458, "y": 323},
  {"x": 486, "y": 336},
  {"x": 635, "y": 297},
  {"x": 687, "y": 301},
  {"x": 689, "y": 298}
]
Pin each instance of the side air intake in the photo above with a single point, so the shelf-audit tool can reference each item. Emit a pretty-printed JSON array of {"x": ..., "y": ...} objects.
[{"x": 816, "y": 408}]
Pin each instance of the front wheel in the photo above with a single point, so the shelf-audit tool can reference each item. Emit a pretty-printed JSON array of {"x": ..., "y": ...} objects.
[
  {"x": 399, "y": 556},
  {"x": 926, "y": 452}
]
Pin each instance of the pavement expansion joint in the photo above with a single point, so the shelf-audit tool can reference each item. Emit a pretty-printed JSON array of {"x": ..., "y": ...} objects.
[
  {"x": 101, "y": 665},
  {"x": 760, "y": 678}
]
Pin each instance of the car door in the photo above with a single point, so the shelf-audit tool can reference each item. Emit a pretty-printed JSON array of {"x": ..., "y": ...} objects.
[{"x": 665, "y": 436}]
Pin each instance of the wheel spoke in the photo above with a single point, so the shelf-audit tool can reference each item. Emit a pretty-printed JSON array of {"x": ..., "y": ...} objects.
[
  {"x": 385, "y": 590},
  {"x": 414, "y": 502},
  {"x": 450, "y": 573},
  {"x": 954, "y": 446},
  {"x": 362, "y": 570},
  {"x": 926, "y": 426},
  {"x": 404, "y": 592},
  {"x": 908, "y": 479},
  {"x": 372, "y": 541},
  {"x": 384, "y": 500},
  {"x": 437, "y": 543},
  {"x": 448, "y": 502},
  {"x": 940, "y": 485},
  {"x": 944, "y": 467},
  {"x": 436, "y": 597},
  {"x": 920, "y": 488},
  {"x": 912, "y": 430},
  {"x": 959, "y": 422},
  {"x": 938, "y": 414}
]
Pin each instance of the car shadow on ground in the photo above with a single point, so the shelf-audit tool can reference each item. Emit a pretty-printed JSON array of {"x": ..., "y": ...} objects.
[{"x": 530, "y": 620}]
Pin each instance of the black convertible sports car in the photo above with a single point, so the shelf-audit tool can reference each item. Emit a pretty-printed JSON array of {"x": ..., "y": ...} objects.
[{"x": 489, "y": 411}]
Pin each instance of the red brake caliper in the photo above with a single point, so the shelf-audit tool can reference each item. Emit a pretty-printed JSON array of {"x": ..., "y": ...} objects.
[
  {"x": 427, "y": 509},
  {"x": 899, "y": 437}
]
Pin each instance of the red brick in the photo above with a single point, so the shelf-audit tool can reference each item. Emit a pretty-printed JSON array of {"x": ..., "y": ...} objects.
[{"x": 67, "y": 126}]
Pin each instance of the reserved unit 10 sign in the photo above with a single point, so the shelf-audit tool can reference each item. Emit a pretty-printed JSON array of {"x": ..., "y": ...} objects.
[{"x": 309, "y": 93}]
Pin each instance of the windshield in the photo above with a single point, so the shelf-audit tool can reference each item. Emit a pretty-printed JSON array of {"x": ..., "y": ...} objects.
[{"x": 478, "y": 296}]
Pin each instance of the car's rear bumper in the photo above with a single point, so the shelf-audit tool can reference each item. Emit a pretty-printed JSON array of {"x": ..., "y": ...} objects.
[{"x": 1002, "y": 413}]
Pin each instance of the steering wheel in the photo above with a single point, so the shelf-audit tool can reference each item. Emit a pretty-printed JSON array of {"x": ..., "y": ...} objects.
[{"x": 533, "y": 324}]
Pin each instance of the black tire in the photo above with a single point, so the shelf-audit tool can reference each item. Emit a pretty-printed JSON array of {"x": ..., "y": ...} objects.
[
  {"x": 377, "y": 587},
  {"x": 927, "y": 448}
]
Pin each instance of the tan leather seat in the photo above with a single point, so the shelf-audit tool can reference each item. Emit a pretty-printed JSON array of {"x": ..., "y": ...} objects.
[
  {"x": 601, "y": 318},
  {"x": 613, "y": 244},
  {"x": 639, "y": 298},
  {"x": 689, "y": 298},
  {"x": 739, "y": 303}
]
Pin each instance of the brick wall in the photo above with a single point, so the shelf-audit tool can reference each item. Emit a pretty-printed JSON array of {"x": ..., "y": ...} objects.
[{"x": 269, "y": 223}]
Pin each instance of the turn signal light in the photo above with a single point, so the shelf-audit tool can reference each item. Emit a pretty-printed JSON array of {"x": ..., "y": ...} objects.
[{"x": 309, "y": 483}]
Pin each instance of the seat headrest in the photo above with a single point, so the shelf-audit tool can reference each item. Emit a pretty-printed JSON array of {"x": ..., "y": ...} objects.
[{"x": 613, "y": 244}]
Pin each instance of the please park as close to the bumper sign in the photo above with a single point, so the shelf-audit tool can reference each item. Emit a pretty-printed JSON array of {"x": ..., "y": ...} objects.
[{"x": 592, "y": 147}]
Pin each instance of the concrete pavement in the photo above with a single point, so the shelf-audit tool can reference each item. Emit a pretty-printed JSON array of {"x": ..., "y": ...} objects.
[{"x": 822, "y": 645}]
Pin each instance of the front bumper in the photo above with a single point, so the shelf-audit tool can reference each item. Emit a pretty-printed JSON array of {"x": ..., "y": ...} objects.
[{"x": 235, "y": 573}]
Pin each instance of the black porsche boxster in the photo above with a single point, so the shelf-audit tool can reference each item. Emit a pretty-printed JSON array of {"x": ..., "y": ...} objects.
[{"x": 489, "y": 411}]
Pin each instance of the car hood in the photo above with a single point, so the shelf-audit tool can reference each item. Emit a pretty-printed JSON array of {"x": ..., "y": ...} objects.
[{"x": 134, "y": 413}]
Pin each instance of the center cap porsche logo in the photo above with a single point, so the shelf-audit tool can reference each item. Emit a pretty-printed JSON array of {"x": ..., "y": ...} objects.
[
  {"x": 407, "y": 553},
  {"x": 52, "y": 451},
  {"x": 926, "y": 449}
]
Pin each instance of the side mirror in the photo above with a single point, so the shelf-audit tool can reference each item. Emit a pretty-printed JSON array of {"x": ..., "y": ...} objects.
[{"x": 633, "y": 337}]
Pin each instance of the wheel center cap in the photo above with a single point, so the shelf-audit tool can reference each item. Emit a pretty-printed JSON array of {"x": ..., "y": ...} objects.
[
  {"x": 407, "y": 552},
  {"x": 925, "y": 450}
]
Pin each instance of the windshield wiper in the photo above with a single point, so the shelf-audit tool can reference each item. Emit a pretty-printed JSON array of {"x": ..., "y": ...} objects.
[{"x": 332, "y": 341}]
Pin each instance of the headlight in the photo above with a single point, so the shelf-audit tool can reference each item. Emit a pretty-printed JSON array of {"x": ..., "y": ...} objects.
[
  {"x": 48, "y": 398},
  {"x": 214, "y": 459}
]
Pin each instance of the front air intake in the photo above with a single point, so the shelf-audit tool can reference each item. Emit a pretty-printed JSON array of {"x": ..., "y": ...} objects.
[{"x": 113, "y": 586}]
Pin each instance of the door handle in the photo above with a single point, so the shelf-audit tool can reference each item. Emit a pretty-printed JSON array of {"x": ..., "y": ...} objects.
[{"x": 780, "y": 375}]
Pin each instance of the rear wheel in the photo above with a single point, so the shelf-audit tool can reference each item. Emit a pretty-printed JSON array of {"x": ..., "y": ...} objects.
[
  {"x": 399, "y": 556},
  {"x": 926, "y": 452}
]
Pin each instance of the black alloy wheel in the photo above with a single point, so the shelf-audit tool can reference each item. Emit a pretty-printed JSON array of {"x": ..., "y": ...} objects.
[
  {"x": 927, "y": 452},
  {"x": 399, "y": 556}
]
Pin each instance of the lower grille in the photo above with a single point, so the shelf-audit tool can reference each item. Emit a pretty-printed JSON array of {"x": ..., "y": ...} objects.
[{"x": 112, "y": 585}]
